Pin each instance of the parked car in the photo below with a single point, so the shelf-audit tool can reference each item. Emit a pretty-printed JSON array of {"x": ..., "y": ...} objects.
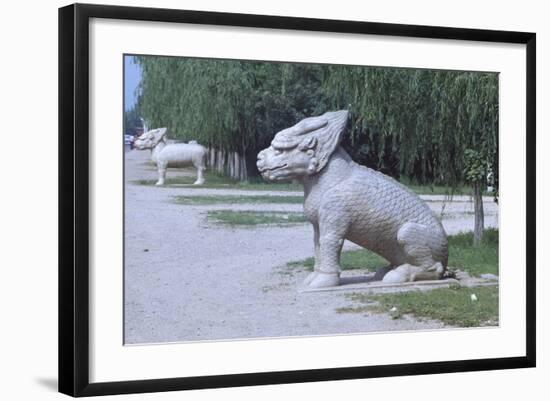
[{"x": 129, "y": 140}]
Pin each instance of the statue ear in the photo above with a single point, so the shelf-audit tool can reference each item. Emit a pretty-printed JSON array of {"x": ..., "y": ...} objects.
[
  {"x": 291, "y": 137},
  {"x": 159, "y": 134},
  {"x": 329, "y": 136},
  {"x": 310, "y": 124}
]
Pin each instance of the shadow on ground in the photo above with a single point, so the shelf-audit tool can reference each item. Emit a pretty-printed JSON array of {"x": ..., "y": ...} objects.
[{"x": 49, "y": 383}]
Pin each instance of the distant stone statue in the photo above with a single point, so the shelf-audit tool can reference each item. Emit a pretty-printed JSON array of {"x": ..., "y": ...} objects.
[
  {"x": 172, "y": 155},
  {"x": 344, "y": 200}
]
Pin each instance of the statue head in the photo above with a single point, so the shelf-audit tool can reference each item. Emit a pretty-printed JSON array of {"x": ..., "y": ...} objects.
[
  {"x": 303, "y": 149},
  {"x": 150, "y": 139}
]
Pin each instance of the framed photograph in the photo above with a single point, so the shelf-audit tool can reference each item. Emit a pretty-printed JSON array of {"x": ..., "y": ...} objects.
[{"x": 251, "y": 199}]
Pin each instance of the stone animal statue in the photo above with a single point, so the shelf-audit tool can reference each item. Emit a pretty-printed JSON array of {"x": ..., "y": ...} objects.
[
  {"x": 344, "y": 200},
  {"x": 172, "y": 155}
]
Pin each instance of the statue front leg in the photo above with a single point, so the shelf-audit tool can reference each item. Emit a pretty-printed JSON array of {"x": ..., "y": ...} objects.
[
  {"x": 328, "y": 266},
  {"x": 161, "y": 167},
  {"x": 317, "y": 255},
  {"x": 200, "y": 176}
]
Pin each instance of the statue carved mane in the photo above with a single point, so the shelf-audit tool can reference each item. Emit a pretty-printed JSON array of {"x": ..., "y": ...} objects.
[{"x": 323, "y": 133}]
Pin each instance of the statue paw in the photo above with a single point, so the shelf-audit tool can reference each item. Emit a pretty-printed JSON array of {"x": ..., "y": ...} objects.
[
  {"x": 448, "y": 274},
  {"x": 198, "y": 182},
  {"x": 381, "y": 272},
  {"x": 322, "y": 280},
  {"x": 159, "y": 183},
  {"x": 310, "y": 277},
  {"x": 400, "y": 274}
]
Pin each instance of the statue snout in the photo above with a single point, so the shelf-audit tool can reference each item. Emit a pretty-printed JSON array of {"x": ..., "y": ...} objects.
[{"x": 260, "y": 163}]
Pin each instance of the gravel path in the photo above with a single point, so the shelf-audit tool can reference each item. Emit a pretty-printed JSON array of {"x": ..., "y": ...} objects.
[{"x": 187, "y": 279}]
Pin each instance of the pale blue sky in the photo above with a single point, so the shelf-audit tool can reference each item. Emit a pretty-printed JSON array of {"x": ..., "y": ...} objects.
[{"x": 132, "y": 78}]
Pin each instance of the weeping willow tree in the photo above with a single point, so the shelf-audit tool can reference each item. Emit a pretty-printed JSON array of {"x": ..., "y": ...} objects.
[{"x": 423, "y": 124}]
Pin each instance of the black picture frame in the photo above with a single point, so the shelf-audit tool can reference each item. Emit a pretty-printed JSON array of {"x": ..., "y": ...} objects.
[{"x": 74, "y": 198}]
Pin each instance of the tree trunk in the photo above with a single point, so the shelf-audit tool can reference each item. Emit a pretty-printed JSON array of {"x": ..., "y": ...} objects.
[
  {"x": 244, "y": 173},
  {"x": 212, "y": 158},
  {"x": 231, "y": 164},
  {"x": 219, "y": 161},
  {"x": 237, "y": 167},
  {"x": 478, "y": 212}
]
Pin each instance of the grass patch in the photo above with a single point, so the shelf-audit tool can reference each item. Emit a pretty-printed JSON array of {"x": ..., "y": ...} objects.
[
  {"x": 258, "y": 183},
  {"x": 474, "y": 260},
  {"x": 212, "y": 181},
  {"x": 216, "y": 180},
  {"x": 427, "y": 189},
  {"x": 252, "y": 218},
  {"x": 356, "y": 259},
  {"x": 453, "y": 306},
  {"x": 352, "y": 309},
  {"x": 235, "y": 199},
  {"x": 462, "y": 255}
]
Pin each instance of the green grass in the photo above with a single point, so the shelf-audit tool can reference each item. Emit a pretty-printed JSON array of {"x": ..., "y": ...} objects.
[
  {"x": 216, "y": 180},
  {"x": 462, "y": 255},
  {"x": 427, "y": 189},
  {"x": 235, "y": 199},
  {"x": 212, "y": 181},
  {"x": 452, "y": 306},
  {"x": 357, "y": 259},
  {"x": 257, "y": 183},
  {"x": 253, "y": 218},
  {"x": 474, "y": 260}
]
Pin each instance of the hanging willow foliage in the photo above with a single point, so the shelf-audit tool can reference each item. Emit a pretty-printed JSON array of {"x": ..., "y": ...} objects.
[
  {"x": 412, "y": 122},
  {"x": 427, "y": 119},
  {"x": 234, "y": 106}
]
